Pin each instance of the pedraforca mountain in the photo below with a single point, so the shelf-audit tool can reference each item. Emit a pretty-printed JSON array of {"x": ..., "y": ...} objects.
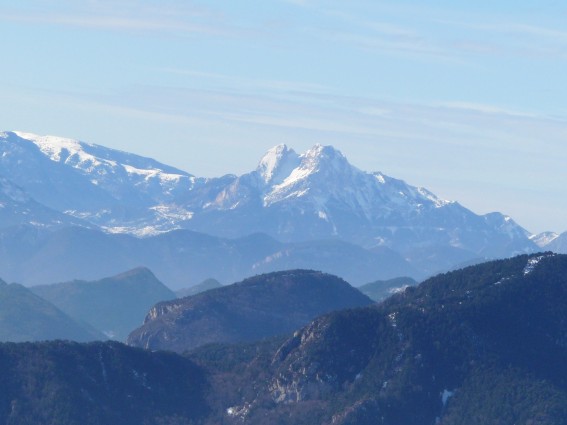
[
  {"x": 291, "y": 197},
  {"x": 259, "y": 307}
]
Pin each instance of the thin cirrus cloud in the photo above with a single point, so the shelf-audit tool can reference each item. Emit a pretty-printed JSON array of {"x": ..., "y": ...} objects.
[
  {"x": 462, "y": 123},
  {"x": 244, "y": 84},
  {"x": 122, "y": 16},
  {"x": 112, "y": 23},
  {"x": 440, "y": 32},
  {"x": 511, "y": 38}
]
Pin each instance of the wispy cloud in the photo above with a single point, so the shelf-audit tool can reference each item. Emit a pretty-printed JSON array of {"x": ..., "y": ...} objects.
[
  {"x": 114, "y": 23},
  {"x": 517, "y": 29},
  {"x": 382, "y": 43},
  {"x": 435, "y": 32},
  {"x": 493, "y": 36},
  {"x": 457, "y": 123},
  {"x": 386, "y": 35},
  {"x": 486, "y": 109},
  {"x": 127, "y": 15},
  {"x": 244, "y": 84}
]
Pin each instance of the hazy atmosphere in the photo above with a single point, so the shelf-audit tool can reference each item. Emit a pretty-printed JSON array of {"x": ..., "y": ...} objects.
[{"x": 465, "y": 99}]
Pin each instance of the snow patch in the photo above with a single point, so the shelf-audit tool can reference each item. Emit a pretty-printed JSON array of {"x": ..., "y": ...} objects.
[
  {"x": 533, "y": 262},
  {"x": 277, "y": 164},
  {"x": 543, "y": 239},
  {"x": 239, "y": 411},
  {"x": 398, "y": 289},
  {"x": 445, "y": 396}
]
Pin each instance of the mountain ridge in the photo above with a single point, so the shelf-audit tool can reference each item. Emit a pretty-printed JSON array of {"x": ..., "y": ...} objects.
[
  {"x": 255, "y": 308},
  {"x": 34, "y": 256}
]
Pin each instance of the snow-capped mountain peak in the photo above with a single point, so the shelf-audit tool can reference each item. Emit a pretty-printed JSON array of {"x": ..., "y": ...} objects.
[
  {"x": 112, "y": 188},
  {"x": 544, "y": 238},
  {"x": 98, "y": 160},
  {"x": 324, "y": 158},
  {"x": 60, "y": 149},
  {"x": 325, "y": 161},
  {"x": 277, "y": 163},
  {"x": 316, "y": 170}
]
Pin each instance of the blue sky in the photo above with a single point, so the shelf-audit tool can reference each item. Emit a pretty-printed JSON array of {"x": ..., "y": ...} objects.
[{"x": 464, "y": 98}]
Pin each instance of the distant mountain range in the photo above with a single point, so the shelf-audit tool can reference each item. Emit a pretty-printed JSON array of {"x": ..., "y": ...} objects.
[
  {"x": 205, "y": 285},
  {"x": 25, "y": 316},
  {"x": 114, "y": 305},
  {"x": 382, "y": 289},
  {"x": 109, "y": 308},
  {"x": 33, "y": 255},
  {"x": 52, "y": 182}
]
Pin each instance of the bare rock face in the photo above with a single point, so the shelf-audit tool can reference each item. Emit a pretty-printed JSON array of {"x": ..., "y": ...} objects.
[{"x": 307, "y": 370}]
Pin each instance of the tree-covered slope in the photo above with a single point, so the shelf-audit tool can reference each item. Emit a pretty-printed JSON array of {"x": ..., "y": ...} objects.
[
  {"x": 66, "y": 383},
  {"x": 258, "y": 307},
  {"x": 486, "y": 344},
  {"x": 483, "y": 345}
]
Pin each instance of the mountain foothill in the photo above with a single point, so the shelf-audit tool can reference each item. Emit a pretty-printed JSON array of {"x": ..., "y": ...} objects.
[
  {"x": 125, "y": 309},
  {"x": 483, "y": 344}
]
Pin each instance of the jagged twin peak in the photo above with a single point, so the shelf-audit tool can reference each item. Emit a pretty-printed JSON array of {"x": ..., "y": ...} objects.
[
  {"x": 277, "y": 164},
  {"x": 323, "y": 174},
  {"x": 282, "y": 165}
]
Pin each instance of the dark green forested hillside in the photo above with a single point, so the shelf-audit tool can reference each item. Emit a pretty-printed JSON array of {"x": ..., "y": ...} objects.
[
  {"x": 482, "y": 345},
  {"x": 486, "y": 344},
  {"x": 67, "y": 383},
  {"x": 258, "y": 307}
]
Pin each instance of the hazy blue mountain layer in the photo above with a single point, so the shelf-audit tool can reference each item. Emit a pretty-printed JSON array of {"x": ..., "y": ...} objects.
[
  {"x": 180, "y": 258},
  {"x": 115, "y": 305},
  {"x": 25, "y": 316}
]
